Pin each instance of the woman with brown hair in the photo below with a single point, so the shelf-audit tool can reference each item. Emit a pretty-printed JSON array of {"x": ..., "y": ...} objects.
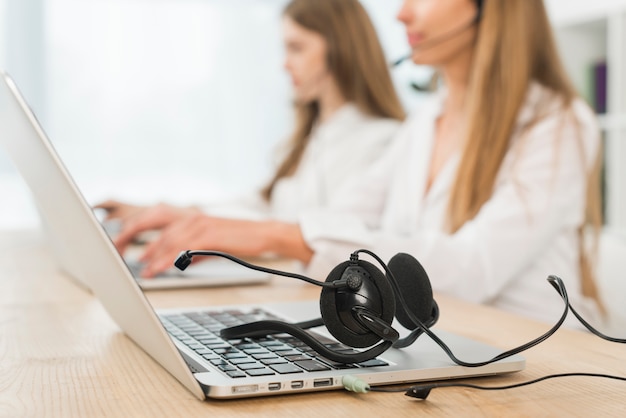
[
  {"x": 492, "y": 183},
  {"x": 346, "y": 110}
]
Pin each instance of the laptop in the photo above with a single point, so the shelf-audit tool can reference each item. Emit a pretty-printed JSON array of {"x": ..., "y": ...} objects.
[{"x": 186, "y": 341}]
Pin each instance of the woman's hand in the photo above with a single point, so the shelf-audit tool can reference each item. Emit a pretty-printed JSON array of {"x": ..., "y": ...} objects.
[
  {"x": 137, "y": 219},
  {"x": 238, "y": 237},
  {"x": 118, "y": 210}
]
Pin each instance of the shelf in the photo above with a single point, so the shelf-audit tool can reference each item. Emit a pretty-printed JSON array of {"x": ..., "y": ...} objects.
[
  {"x": 587, "y": 34},
  {"x": 583, "y": 46},
  {"x": 574, "y": 12}
]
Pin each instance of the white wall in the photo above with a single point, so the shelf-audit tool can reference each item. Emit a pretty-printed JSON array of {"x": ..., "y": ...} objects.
[
  {"x": 143, "y": 96},
  {"x": 154, "y": 94},
  {"x": 572, "y": 11},
  {"x": 2, "y": 19}
]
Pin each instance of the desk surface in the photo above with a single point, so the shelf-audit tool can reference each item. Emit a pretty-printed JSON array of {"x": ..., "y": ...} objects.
[{"x": 62, "y": 355}]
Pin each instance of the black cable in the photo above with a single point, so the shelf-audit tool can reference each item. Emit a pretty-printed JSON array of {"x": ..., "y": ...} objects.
[
  {"x": 422, "y": 391},
  {"x": 595, "y": 331},
  {"x": 554, "y": 280},
  {"x": 184, "y": 258}
]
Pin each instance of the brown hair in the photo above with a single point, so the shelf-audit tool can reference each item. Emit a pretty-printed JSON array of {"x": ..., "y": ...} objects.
[
  {"x": 356, "y": 61},
  {"x": 515, "y": 46}
]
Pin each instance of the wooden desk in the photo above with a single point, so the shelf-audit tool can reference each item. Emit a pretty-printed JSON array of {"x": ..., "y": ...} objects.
[{"x": 61, "y": 355}]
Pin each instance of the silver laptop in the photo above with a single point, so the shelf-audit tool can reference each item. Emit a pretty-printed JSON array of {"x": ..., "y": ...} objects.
[{"x": 186, "y": 341}]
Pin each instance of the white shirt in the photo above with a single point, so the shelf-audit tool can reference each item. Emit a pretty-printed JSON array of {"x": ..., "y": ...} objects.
[
  {"x": 525, "y": 232},
  {"x": 338, "y": 152}
]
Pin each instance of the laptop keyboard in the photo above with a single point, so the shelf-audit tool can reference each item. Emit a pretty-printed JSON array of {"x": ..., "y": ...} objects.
[
  {"x": 271, "y": 355},
  {"x": 136, "y": 267}
]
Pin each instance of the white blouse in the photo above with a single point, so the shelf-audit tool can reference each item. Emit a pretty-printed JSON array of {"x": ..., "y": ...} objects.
[
  {"x": 525, "y": 232},
  {"x": 338, "y": 152}
]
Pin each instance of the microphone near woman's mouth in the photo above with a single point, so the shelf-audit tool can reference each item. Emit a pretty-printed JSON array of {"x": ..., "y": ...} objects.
[{"x": 438, "y": 39}]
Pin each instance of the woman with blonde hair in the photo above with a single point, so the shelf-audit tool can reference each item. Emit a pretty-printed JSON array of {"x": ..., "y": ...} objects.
[
  {"x": 346, "y": 112},
  {"x": 492, "y": 183}
]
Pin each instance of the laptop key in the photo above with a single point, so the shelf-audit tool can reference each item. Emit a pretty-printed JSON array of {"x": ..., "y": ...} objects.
[
  {"x": 270, "y": 343},
  {"x": 278, "y": 348},
  {"x": 242, "y": 360},
  {"x": 249, "y": 366},
  {"x": 298, "y": 357},
  {"x": 218, "y": 344},
  {"x": 196, "y": 346},
  {"x": 248, "y": 346},
  {"x": 373, "y": 363},
  {"x": 286, "y": 368},
  {"x": 336, "y": 364},
  {"x": 264, "y": 356},
  {"x": 253, "y": 351},
  {"x": 289, "y": 353},
  {"x": 236, "y": 373},
  {"x": 208, "y": 340},
  {"x": 218, "y": 362},
  {"x": 312, "y": 365},
  {"x": 276, "y": 360},
  {"x": 260, "y": 372},
  {"x": 234, "y": 355}
]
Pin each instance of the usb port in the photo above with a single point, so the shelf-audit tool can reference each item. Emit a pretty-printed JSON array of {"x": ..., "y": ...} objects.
[
  {"x": 318, "y": 383},
  {"x": 274, "y": 386},
  {"x": 245, "y": 389},
  {"x": 297, "y": 384}
]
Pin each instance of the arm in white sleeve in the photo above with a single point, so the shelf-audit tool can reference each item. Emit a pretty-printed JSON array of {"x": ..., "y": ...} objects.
[{"x": 251, "y": 206}]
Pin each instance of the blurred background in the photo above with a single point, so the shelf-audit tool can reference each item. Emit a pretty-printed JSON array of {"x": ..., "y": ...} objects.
[{"x": 186, "y": 100}]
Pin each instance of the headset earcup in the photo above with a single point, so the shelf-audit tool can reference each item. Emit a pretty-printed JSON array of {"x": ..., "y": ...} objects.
[
  {"x": 331, "y": 317},
  {"x": 416, "y": 290}
]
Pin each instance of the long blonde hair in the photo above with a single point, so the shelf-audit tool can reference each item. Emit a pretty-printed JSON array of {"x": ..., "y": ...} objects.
[
  {"x": 515, "y": 46},
  {"x": 356, "y": 61}
]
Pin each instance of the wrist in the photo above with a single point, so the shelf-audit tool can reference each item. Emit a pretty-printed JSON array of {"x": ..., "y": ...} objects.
[{"x": 287, "y": 240}]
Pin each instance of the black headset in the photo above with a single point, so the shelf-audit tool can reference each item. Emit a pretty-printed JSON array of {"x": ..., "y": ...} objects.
[
  {"x": 358, "y": 304},
  {"x": 479, "y": 6}
]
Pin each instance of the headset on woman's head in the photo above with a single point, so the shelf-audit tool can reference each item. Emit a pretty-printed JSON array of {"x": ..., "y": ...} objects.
[
  {"x": 444, "y": 37},
  {"x": 479, "y": 7}
]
